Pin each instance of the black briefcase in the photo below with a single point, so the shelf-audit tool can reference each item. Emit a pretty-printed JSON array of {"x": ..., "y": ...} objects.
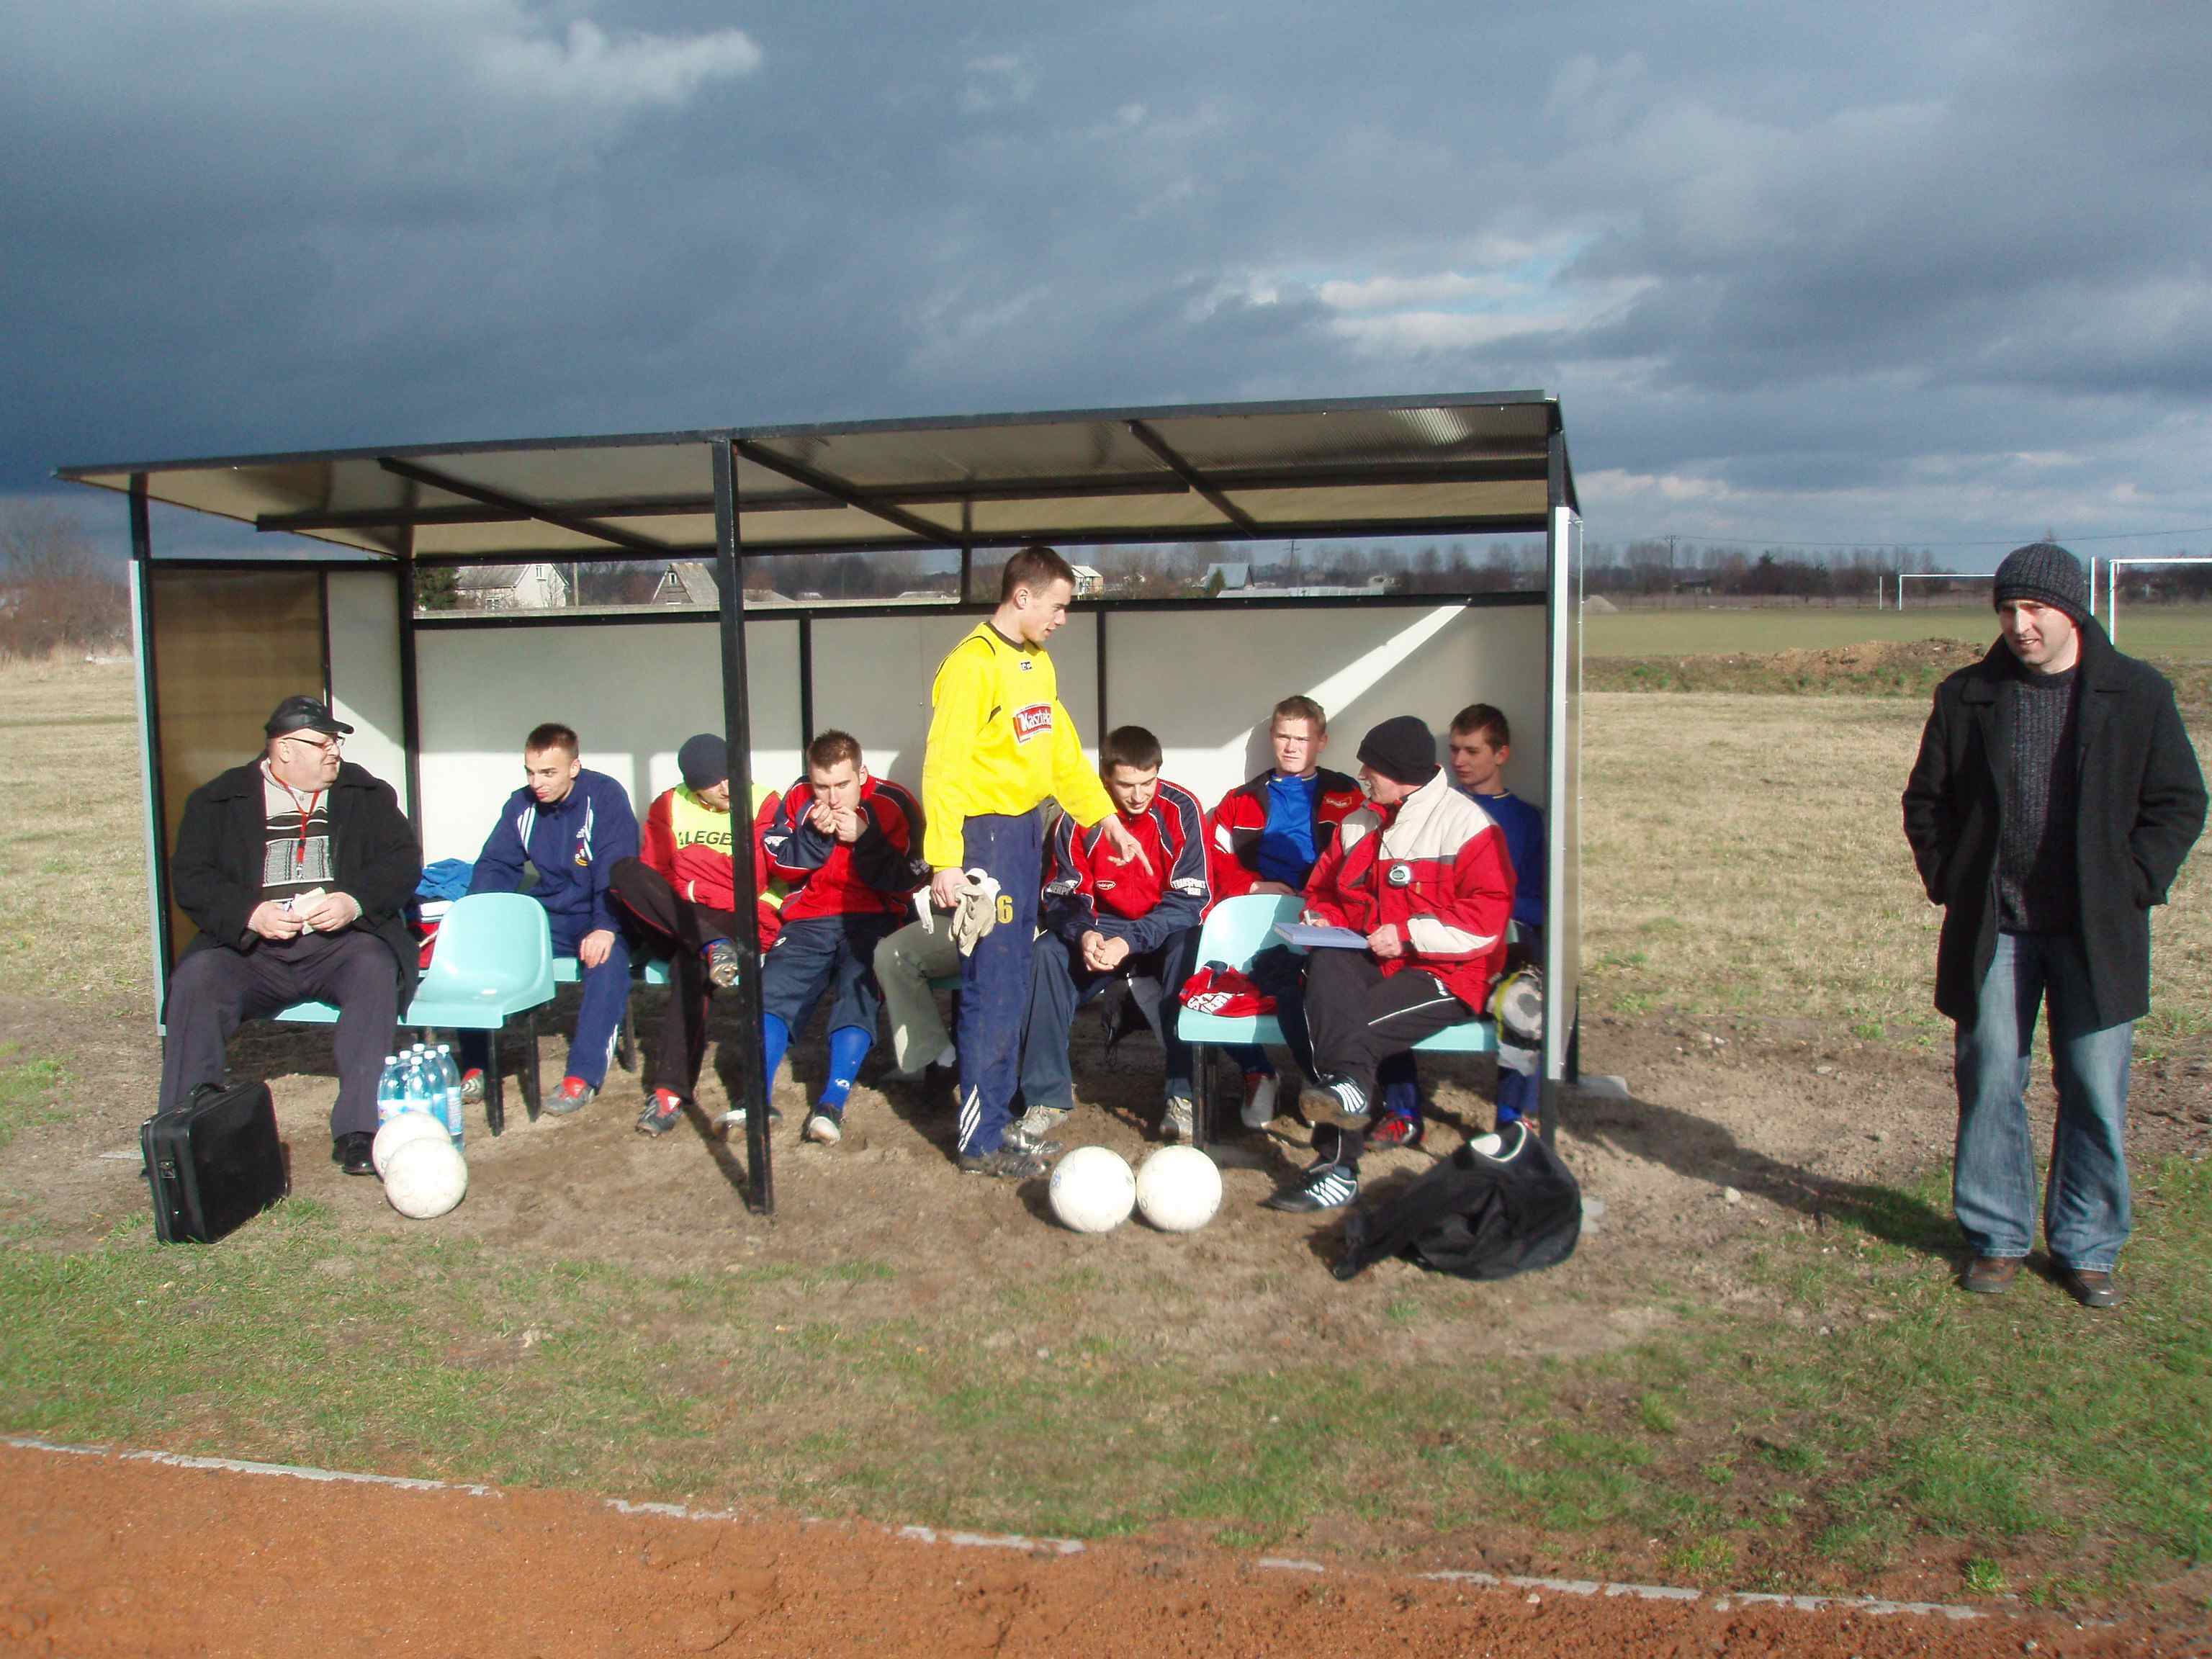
[{"x": 213, "y": 1162}]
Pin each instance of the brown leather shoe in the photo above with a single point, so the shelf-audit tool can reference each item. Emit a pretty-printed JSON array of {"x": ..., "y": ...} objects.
[
  {"x": 1990, "y": 1275},
  {"x": 2091, "y": 1288}
]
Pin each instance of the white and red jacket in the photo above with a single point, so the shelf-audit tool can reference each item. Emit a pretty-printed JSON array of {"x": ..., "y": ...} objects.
[
  {"x": 1436, "y": 869},
  {"x": 1234, "y": 827},
  {"x": 1087, "y": 887},
  {"x": 875, "y": 875}
]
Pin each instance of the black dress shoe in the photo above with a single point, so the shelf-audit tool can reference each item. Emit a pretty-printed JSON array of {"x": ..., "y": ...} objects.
[
  {"x": 2090, "y": 1288},
  {"x": 351, "y": 1153}
]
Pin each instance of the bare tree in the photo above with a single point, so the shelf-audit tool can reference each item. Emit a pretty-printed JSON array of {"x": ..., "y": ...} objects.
[{"x": 56, "y": 591}]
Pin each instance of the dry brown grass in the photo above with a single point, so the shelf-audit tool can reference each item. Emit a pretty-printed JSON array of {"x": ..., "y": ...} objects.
[
  {"x": 73, "y": 916},
  {"x": 1744, "y": 856}
]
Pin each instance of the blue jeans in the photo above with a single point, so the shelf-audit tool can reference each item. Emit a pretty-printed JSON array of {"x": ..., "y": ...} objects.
[{"x": 2084, "y": 1206}]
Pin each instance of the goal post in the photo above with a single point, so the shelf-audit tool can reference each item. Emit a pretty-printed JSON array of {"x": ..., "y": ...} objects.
[{"x": 2112, "y": 583}]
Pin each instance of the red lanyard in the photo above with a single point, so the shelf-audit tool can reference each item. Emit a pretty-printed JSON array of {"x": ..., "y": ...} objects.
[{"x": 300, "y": 846}]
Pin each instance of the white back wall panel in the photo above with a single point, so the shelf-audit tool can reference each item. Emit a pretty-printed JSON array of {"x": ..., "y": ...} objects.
[
  {"x": 632, "y": 693},
  {"x": 363, "y": 619},
  {"x": 872, "y": 675},
  {"x": 1205, "y": 683}
]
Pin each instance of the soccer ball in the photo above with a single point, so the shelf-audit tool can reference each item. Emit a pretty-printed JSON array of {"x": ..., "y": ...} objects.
[
  {"x": 402, "y": 1128},
  {"x": 1178, "y": 1189},
  {"x": 1092, "y": 1190},
  {"x": 425, "y": 1178}
]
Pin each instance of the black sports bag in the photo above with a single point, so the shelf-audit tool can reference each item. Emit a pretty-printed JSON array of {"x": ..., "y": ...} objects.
[
  {"x": 1476, "y": 1214},
  {"x": 213, "y": 1162}
]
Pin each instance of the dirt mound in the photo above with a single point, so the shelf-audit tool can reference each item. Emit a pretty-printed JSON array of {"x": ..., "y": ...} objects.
[{"x": 1879, "y": 667}]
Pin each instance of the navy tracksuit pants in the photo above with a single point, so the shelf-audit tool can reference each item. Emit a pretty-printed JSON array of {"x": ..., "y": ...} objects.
[{"x": 994, "y": 977}]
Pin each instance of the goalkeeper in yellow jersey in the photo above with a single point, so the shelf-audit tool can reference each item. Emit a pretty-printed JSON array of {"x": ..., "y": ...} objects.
[{"x": 1000, "y": 744}]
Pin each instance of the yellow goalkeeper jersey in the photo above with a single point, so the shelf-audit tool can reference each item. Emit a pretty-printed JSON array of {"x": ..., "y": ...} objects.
[{"x": 999, "y": 742}]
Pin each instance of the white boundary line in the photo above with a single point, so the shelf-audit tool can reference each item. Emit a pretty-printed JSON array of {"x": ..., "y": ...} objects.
[{"x": 1720, "y": 1601}]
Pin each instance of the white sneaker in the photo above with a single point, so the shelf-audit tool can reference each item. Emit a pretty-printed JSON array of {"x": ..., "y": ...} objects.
[
  {"x": 1181, "y": 1123},
  {"x": 824, "y": 1129},
  {"x": 1259, "y": 1111},
  {"x": 735, "y": 1118}
]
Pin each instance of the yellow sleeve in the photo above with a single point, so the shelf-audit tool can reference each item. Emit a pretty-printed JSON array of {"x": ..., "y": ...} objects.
[
  {"x": 1075, "y": 782},
  {"x": 961, "y": 701}
]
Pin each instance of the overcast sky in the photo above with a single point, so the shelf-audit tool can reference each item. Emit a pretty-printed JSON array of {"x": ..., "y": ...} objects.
[{"x": 1804, "y": 273}]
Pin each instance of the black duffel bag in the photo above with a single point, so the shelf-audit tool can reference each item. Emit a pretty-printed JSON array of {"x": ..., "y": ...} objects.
[{"x": 1477, "y": 1214}]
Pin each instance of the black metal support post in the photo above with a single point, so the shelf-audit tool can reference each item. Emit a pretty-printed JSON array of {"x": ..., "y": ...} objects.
[
  {"x": 1104, "y": 726},
  {"x": 142, "y": 556},
  {"x": 737, "y": 734},
  {"x": 410, "y": 713}
]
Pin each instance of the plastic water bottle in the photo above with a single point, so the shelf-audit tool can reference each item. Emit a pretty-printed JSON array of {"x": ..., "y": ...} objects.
[
  {"x": 391, "y": 1092},
  {"x": 449, "y": 1074},
  {"x": 418, "y": 1083}
]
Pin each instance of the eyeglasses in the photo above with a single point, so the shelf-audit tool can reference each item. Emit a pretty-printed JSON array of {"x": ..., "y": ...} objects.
[{"x": 328, "y": 746}]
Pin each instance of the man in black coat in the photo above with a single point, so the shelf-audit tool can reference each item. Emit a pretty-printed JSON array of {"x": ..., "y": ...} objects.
[
  {"x": 296, "y": 868},
  {"x": 2054, "y": 799}
]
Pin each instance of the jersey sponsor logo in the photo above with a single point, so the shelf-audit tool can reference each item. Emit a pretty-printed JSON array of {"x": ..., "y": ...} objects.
[{"x": 1031, "y": 721}]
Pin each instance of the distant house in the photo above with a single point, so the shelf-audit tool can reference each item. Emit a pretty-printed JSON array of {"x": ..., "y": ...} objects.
[
  {"x": 688, "y": 581},
  {"x": 1088, "y": 581},
  {"x": 511, "y": 586}
]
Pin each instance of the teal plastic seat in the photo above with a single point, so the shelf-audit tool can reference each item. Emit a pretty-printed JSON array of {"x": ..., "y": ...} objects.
[
  {"x": 493, "y": 960},
  {"x": 1239, "y": 929},
  {"x": 307, "y": 1014}
]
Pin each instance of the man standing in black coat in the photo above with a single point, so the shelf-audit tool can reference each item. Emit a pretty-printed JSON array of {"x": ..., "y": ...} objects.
[
  {"x": 296, "y": 868},
  {"x": 2054, "y": 799}
]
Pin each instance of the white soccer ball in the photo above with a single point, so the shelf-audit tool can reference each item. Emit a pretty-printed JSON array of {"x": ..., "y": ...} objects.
[
  {"x": 1178, "y": 1189},
  {"x": 1092, "y": 1190},
  {"x": 402, "y": 1128},
  {"x": 425, "y": 1178}
]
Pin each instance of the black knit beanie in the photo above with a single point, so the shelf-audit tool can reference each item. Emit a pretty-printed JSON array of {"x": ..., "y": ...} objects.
[
  {"x": 704, "y": 761},
  {"x": 2044, "y": 572},
  {"x": 1401, "y": 749}
]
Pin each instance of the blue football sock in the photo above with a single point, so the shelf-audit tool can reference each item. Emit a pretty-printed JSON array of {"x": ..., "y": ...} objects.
[
  {"x": 775, "y": 1037},
  {"x": 848, "y": 1047}
]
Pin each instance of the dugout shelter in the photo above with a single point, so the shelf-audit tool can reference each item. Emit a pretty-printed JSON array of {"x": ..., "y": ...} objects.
[{"x": 441, "y": 699}]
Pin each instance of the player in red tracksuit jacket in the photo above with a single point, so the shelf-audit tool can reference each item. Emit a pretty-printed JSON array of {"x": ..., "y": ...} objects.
[
  {"x": 1107, "y": 917},
  {"x": 1264, "y": 836},
  {"x": 848, "y": 847},
  {"x": 1424, "y": 875},
  {"x": 679, "y": 898}
]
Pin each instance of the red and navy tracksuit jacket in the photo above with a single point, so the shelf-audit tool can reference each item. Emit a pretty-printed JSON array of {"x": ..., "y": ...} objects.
[
  {"x": 1436, "y": 868},
  {"x": 875, "y": 875},
  {"x": 1087, "y": 886},
  {"x": 1234, "y": 827}
]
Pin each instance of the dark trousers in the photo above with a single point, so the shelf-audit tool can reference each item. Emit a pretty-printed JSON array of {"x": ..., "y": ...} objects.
[
  {"x": 668, "y": 924},
  {"x": 817, "y": 955},
  {"x": 1059, "y": 984},
  {"x": 994, "y": 977},
  {"x": 1357, "y": 1017},
  {"x": 215, "y": 988},
  {"x": 599, "y": 1017}
]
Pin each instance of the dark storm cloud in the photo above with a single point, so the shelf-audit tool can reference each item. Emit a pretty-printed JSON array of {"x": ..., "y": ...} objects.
[{"x": 1791, "y": 271}]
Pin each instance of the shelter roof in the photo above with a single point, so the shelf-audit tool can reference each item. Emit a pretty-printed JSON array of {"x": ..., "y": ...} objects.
[{"x": 1471, "y": 462}]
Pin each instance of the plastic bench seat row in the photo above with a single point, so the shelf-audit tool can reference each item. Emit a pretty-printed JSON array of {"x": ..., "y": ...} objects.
[{"x": 1239, "y": 929}]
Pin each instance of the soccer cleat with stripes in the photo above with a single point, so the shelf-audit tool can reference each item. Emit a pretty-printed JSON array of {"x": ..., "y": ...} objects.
[
  {"x": 662, "y": 1113},
  {"x": 1330, "y": 1185},
  {"x": 1397, "y": 1129},
  {"x": 1351, "y": 1103}
]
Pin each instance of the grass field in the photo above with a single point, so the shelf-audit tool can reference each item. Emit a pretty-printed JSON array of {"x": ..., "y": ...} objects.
[
  {"x": 1848, "y": 1416},
  {"x": 2174, "y": 634}
]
